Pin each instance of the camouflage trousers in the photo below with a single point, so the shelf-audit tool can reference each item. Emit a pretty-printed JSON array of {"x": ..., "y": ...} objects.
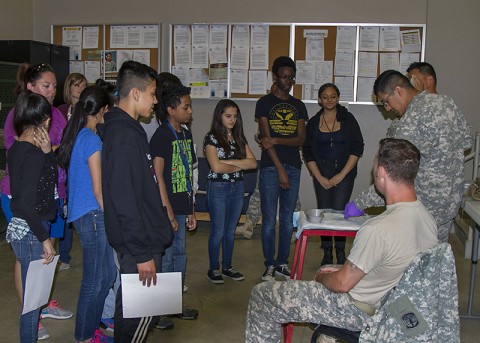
[
  {"x": 254, "y": 211},
  {"x": 275, "y": 303}
]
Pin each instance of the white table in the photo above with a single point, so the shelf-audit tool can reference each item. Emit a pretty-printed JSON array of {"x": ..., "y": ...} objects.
[{"x": 472, "y": 208}]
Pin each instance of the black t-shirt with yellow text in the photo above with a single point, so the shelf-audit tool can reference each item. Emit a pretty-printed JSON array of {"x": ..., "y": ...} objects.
[{"x": 283, "y": 117}]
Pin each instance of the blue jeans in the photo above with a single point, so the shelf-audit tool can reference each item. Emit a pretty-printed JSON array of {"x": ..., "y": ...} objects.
[
  {"x": 109, "y": 307},
  {"x": 225, "y": 203},
  {"x": 98, "y": 273},
  {"x": 175, "y": 258},
  {"x": 335, "y": 198},
  {"x": 28, "y": 249},
  {"x": 270, "y": 194}
]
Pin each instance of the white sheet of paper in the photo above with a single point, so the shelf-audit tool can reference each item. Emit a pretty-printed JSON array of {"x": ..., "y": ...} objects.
[
  {"x": 344, "y": 63},
  {"x": 134, "y": 36},
  {"x": 238, "y": 80},
  {"x": 38, "y": 284},
  {"x": 200, "y": 37},
  {"x": 182, "y": 38},
  {"x": 90, "y": 37},
  {"x": 365, "y": 89},
  {"x": 240, "y": 47},
  {"x": 92, "y": 71},
  {"x": 259, "y": 47},
  {"x": 406, "y": 59},
  {"x": 345, "y": 85},
  {"x": 218, "y": 44},
  {"x": 367, "y": 64},
  {"x": 142, "y": 301},
  {"x": 315, "y": 50},
  {"x": 142, "y": 56},
  {"x": 71, "y": 35},
  {"x": 256, "y": 82},
  {"x": 346, "y": 38},
  {"x": 389, "y": 60},
  {"x": 389, "y": 38},
  {"x": 118, "y": 37},
  {"x": 323, "y": 73},
  {"x": 305, "y": 72},
  {"x": 369, "y": 38},
  {"x": 77, "y": 67},
  {"x": 150, "y": 36}
]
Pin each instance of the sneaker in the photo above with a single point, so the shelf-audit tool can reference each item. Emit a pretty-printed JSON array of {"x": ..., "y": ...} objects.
[
  {"x": 52, "y": 310},
  {"x": 108, "y": 324},
  {"x": 233, "y": 274},
  {"x": 164, "y": 323},
  {"x": 42, "y": 332},
  {"x": 214, "y": 276},
  {"x": 188, "y": 313},
  {"x": 100, "y": 337},
  {"x": 63, "y": 266},
  {"x": 269, "y": 274},
  {"x": 283, "y": 270},
  {"x": 185, "y": 289}
]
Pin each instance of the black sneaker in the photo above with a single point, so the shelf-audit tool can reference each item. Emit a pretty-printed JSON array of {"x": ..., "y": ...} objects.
[
  {"x": 269, "y": 274},
  {"x": 164, "y": 323},
  {"x": 215, "y": 276},
  {"x": 188, "y": 313},
  {"x": 233, "y": 274},
  {"x": 283, "y": 270}
]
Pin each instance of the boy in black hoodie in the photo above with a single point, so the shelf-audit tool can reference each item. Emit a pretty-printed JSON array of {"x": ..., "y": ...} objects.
[{"x": 136, "y": 222}]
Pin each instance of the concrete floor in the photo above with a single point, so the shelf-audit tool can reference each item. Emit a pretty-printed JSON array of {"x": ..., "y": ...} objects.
[{"x": 222, "y": 307}]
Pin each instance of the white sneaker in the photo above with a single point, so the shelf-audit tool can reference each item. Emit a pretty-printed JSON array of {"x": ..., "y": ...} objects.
[
  {"x": 269, "y": 274},
  {"x": 185, "y": 289}
]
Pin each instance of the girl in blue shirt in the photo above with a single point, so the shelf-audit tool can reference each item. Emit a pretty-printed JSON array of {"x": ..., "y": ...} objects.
[{"x": 80, "y": 155}]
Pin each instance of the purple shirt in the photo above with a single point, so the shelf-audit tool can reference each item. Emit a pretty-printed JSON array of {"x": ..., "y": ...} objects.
[{"x": 57, "y": 124}]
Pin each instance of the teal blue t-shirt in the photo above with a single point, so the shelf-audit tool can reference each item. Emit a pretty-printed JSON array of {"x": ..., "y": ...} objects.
[{"x": 81, "y": 199}]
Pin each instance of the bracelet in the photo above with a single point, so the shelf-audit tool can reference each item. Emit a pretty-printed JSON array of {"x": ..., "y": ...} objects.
[{"x": 172, "y": 220}]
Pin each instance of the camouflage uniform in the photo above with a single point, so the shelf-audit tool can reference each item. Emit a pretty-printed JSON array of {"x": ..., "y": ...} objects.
[
  {"x": 438, "y": 129},
  {"x": 430, "y": 284},
  {"x": 274, "y": 303}
]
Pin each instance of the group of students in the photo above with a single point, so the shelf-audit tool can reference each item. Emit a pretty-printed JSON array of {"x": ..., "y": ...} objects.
[{"x": 129, "y": 200}]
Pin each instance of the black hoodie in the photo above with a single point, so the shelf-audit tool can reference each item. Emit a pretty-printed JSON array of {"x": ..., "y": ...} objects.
[{"x": 136, "y": 221}]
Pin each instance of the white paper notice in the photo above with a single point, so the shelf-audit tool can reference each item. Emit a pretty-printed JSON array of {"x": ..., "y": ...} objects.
[
  {"x": 150, "y": 36},
  {"x": 238, "y": 80},
  {"x": 77, "y": 67},
  {"x": 218, "y": 88},
  {"x": 134, "y": 36},
  {"x": 181, "y": 45},
  {"x": 259, "y": 47},
  {"x": 71, "y": 35},
  {"x": 256, "y": 82},
  {"x": 90, "y": 37},
  {"x": 38, "y": 284},
  {"x": 369, "y": 38},
  {"x": 407, "y": 59},
  {"x": 346, "y": 38},
  {"x": 389, "y": 60},
  {"x": 182, "y": 73},
  {"x": 240, "y": 47},
  {"x": 323, "y": 73},
  {"x": 218, "y": 44},
  {"x": 365, "y": 89},
  {"x": 389, "y": 38},
  {"x": 142, "y": 56},
  {"x": 118, "y": 37},
  {"x": 125, "y": 55},
  {"x": 305, "y": 72},
  {"x": 315, "y": 50},
  {"x": 92, "y": 71},
  {"x": 75, "y": 52},
  {"x": 410, "y": 40},
  {"x": 200, "y": 37},
  {"x": 344, "y": 63},
  {"x": 367, "y": 64},
  {"x": 345, "y": 86},
  {"x": 142, "y": 301}
]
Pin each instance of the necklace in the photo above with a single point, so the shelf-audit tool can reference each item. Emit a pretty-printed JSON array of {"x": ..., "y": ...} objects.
[{"x": 328, "y": 128}]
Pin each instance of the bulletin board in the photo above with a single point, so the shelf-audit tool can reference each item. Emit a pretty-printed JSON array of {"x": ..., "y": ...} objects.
[
  {"x": 93, "y": 54},
  {"x": 364, "y": 61}
]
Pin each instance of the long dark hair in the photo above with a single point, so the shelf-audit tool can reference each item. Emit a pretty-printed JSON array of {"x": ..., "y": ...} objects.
[
  {"x": 220, "y": 133},
  {"x": 31, "y": 109},
  {"x": 91, "y": 101}
]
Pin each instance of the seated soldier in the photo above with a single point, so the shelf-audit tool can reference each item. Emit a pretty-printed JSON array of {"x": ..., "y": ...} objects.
[{"x": 382, "y": 250}]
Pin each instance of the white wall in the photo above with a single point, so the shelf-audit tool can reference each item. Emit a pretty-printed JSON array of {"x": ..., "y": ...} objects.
[
  {"x": 16, "y": 19},
  {"x": 452, "y": 46}
]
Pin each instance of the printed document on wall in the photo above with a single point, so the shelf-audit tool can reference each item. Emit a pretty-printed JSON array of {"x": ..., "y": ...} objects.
[
  {"x": 389, "y": 38},
  {"x": 259, "y": 47},
  {"x": 240, "y": 47},
  {"x": 369, "y": 38},
  {"x": 218, "y": 44},
  {"x": 200, "y": 38},
  {"x": 346, "y": 38},
  {"x": 181, "y": 45},
  {"x": 90, "y": 37}
]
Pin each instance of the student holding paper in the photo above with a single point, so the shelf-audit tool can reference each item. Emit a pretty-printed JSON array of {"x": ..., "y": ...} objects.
[
  {"x": 79, "y": 154},
  {"x": 33, "y": 175},
  {"x": 136, "y": 221}
]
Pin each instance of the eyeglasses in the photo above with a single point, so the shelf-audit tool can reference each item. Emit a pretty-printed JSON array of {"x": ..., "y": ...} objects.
[
  {"x": 385, "y": 101},
  {"x": 287, "y": 78}
]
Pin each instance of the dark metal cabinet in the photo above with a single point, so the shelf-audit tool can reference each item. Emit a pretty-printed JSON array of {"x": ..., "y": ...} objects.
[{"x": 20, "y": 51}]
